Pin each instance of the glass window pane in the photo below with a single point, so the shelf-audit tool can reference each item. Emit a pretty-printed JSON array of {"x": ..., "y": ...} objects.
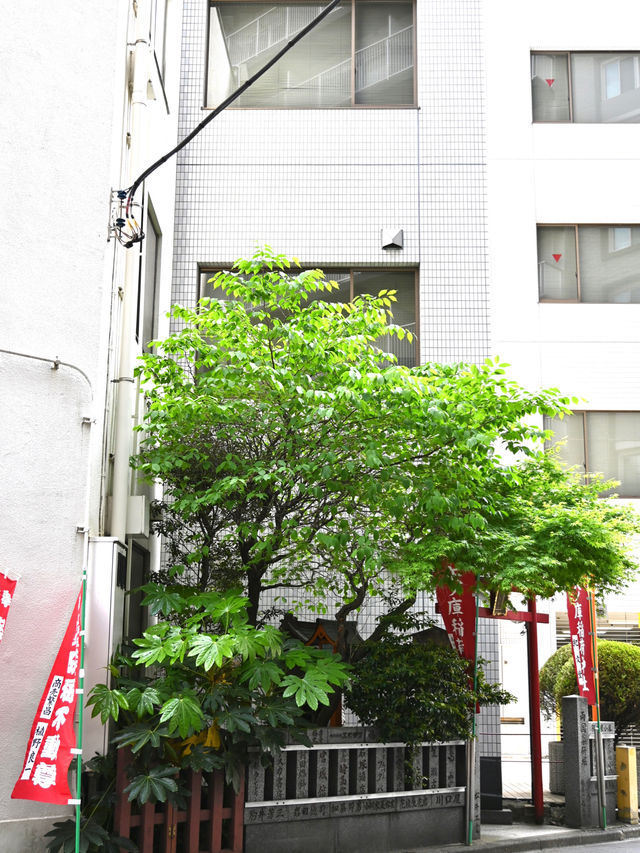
[
  {"x": 568, "y": 438},
  {"x": 614, "y": 448},
  {"x": 605, "y": 87},
  {"x": 341, "y": 295},
  {"x": 609, "y": 263},
  {"x": 404, "y": 308},
  {"x": 151, "y": 283},
  {"x": 207, "y": 288},
  {"x": 384, "y": 53},
  {"x": 550, "y": 86},
  {"x": 557, "y": 269},
  {"x": 315, "y": 73}
]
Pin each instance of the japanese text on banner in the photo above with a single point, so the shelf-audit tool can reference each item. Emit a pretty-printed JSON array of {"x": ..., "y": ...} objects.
[
  {"x": 580, "y": 630},
  {"x": 458, "y": 611},
  {"x": 52, "y": 737}
]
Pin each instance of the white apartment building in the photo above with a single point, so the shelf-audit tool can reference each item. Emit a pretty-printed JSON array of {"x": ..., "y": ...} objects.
[
  {"x": 89, "y": 99},
  {"x": 564, "y": 252},
  {"x": 497, "y": 143}
]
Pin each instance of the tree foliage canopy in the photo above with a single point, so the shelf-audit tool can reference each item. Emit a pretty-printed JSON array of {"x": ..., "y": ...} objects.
[{"x": 296, "y": 454}]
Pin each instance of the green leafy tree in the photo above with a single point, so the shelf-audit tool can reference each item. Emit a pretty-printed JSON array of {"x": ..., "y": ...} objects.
[
  {"x": 212, "y": 686},
  {"x": 544, "y": 529},
  {"x": 298, "y": 459},
  {"x": 413, "y": 692},
  {"x": 619, "y": 671}
]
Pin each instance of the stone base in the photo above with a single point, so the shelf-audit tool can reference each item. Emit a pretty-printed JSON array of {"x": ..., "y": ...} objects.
[
  {"x": 371, "y": 833},
  {"x": 496, "y": 816},
  {"x": 26, "y": 834}
]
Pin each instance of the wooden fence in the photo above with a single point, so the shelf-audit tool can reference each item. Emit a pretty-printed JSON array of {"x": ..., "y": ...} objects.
[{"x": 211, "y": 823}]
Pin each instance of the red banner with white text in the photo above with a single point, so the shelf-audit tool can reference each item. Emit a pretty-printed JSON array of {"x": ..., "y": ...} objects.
[
  {"x": 458, "y": 610},
  {"x": 7, "y": 588},
  {"x": 580, "y": 629},
  {"x": 46, "y": 762}
]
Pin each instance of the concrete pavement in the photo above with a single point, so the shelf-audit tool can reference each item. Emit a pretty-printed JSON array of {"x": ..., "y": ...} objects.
[{"x": 523, "y": 837}]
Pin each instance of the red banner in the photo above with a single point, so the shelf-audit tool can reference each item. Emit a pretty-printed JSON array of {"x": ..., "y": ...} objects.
[
  {"x": 580, "y": 629},
  {"x": 46, "y": 762},
  {"x": 458, "y": 611},
  {"x": 7, "y": 588}
]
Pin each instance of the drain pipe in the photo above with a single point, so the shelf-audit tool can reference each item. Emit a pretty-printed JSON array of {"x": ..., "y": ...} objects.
[{"x": 126, "y": 394}]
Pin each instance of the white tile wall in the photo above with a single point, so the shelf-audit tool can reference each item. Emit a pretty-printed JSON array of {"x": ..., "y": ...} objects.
[{"x": 320, "y": 184}]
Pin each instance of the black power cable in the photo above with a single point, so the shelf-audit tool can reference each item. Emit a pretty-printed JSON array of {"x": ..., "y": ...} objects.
[{"x": 229, "y": 100}]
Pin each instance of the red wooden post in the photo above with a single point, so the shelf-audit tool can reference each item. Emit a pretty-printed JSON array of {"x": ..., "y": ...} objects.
[
  {"x": 193, "y": 814},
  {"x": 215, "y": 811},
  {"x": 147, "y": 823},
  {"x": 170, "y": 828},
  {"x": 534, "y": 713},
  {"x": 237, "y": 820}
]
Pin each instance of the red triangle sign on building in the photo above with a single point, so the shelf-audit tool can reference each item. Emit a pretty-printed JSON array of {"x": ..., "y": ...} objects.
[
  {"x": 550, "y": 81},
  {"x": 556, "y": 258}
]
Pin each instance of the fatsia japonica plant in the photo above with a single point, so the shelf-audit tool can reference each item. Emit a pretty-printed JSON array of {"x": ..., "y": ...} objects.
[{"x": 204, "y": 685}]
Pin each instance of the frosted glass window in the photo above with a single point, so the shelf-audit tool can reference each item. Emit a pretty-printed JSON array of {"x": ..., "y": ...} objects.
[
  {"x": 384, "y": 53},
  {"x": 605, "y": 87},
  {"x": 403, "y": 309},
  {"x": 607, "y": 268},
  {"x": 335, "y": 65},
  {"x": 614, "y": 448},
  {"x": 586, "y": 87},
  {"x": 150, "y": 300},
  {"x": 550, "y": 86},
  {"x": 609, "y": 259},
  {"x": 557, "y": 266},
  {"x": 568, "y": 437},
  {"x": 606, "y": 443}
]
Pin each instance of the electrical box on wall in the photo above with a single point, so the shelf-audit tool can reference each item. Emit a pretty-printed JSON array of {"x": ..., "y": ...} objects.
[{"x": 103, "y": 626}]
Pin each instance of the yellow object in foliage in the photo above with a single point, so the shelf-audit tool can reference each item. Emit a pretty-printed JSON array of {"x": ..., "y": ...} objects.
[{"x": 207, "y": 737}]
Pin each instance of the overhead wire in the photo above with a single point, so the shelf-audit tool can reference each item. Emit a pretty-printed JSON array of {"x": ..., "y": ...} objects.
[{"x": 227, "y": 102}]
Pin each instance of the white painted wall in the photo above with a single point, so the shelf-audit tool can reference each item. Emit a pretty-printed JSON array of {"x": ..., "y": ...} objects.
[{"x": 62, "y": 149}]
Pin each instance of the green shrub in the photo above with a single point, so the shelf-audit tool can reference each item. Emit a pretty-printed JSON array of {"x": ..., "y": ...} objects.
[
  {"x": 548, "y": 678},
  {"x": 619, "y": 668},
  {"x": 412, "y": 693}
]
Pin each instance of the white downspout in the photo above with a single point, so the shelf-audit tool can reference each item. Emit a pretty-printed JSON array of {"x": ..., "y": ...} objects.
[{"x": 126, "y": 397}]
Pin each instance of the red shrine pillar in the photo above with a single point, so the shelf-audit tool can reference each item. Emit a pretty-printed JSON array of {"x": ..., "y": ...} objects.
[{"x": 534, "y": 713}]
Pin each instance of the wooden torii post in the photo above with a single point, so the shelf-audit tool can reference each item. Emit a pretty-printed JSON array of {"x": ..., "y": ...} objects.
[{"x": 531, "y": 618}]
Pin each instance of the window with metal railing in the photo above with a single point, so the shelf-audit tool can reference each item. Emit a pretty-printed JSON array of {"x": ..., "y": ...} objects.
[
  {"x": 353, "y": 283},
  {"x": 362, "y": 54}
]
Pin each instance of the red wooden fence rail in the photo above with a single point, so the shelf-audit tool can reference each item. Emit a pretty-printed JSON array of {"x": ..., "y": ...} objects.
[{"x": 204, "y": 806}]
